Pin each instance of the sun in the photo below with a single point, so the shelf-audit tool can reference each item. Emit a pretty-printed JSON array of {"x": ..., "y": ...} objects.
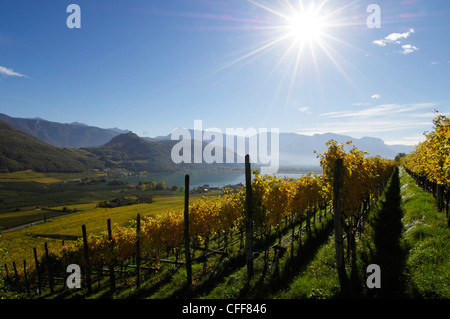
[
  {"x": 305, "y": 26},
  {"x": 302, "y": 37}
]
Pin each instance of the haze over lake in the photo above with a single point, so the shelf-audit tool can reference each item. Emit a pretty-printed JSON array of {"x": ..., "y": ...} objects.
[{"x": 198, "y": 178}]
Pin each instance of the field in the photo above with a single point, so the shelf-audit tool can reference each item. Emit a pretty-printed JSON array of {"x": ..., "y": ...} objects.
[{"x": 39, "y": 208}]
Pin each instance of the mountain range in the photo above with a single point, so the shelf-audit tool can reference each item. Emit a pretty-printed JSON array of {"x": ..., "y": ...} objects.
[
  {"x": 20, "y": 151},
  {"x": 297, "y": 150},
  {"x": 73, "y": 135},
  {"x": 77, "y": 147}
]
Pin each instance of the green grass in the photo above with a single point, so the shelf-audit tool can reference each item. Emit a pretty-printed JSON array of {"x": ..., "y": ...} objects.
[
  {"x": 427, "y": 236},
  {"x": 271, "y": 279},
  {"x": 27, "y": 176}
]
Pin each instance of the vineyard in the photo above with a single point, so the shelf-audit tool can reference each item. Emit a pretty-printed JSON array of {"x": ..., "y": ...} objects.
[
  {"x": 429, "y": 164},
  {"x": 245, "y": 223},
  {"x": 256, "y": 224}
]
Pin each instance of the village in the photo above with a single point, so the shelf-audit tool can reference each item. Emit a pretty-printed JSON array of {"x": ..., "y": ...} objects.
[{"x": 207, "y": 188}]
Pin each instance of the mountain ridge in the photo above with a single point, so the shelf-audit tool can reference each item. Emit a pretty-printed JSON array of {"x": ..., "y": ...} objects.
[
  {"x": 125, "y": 149},
  {"x": 74, "y": 135},
  {"x": 21, "y": 151}
]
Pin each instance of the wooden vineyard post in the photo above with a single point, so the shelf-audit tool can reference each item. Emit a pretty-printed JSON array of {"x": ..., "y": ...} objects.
[
  {"x": 27, "y": 283},
  {"x": 339, "y": 243},
  {"x": 16, "y": 274},
  {"x": 112, "y": 278},
  {"x": 248, "y": 218},
  {"x": 37, "y": 270},
  {"x": 86, "y": 259},
  {"x": 447, "y": 203},
  {"x": 187, "y": 246},
  {"x": 49, "y": 271},
  {"x": 8, "y": 280},
  {"x": 138, "y": 251},
  {"x": 439, "y": 196}
]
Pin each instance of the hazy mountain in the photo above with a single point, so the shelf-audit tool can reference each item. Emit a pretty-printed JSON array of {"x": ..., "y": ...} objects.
[
  {"x": 20, "y": 151},
  {"x": 74, "y": 135},
  {"x": 296, "y": 150}
]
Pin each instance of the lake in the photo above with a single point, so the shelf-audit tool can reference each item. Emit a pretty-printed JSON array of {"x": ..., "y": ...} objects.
[{"x": 198, "y": 178}]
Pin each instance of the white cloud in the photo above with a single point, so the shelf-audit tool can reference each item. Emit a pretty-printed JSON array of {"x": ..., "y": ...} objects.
[
  {"x": 375, "y": 96},
  {"x": 303, "y": 109},
  {"x": 393, "y": 38},
  {"x": 408, "y": 48},
  {"x": 9, "y": 72},
  {"x": 381, "y": 43},
  {"x": 434, "y": 63}
]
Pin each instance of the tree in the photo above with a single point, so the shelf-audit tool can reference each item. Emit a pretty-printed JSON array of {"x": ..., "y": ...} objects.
[
  {"x": 161, "y": 185},
  {"x": 399, "y": 156}
]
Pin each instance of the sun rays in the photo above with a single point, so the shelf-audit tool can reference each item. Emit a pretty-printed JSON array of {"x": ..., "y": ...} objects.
[{"x": 301, "y": 37}]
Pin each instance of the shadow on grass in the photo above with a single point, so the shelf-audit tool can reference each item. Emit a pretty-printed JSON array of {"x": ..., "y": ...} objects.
[
  {"x": 224, "y": 266},
  {"x": 281, "y": 275},
  {"x": 57, "y": 236},
  {"x": 389, "y": 250}
]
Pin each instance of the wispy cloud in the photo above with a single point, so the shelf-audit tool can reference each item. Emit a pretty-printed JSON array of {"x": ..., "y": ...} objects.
[
  {"x": 360, "y": 104},
  {"x": 376, "y": 96},
  {"x": 388, "y": 121},
  {"x": 10, "y": 72},
  {"x": 407, "y": 140},
  {"x": 303, "y": 109},
  {"x": 380, "y": 110}
]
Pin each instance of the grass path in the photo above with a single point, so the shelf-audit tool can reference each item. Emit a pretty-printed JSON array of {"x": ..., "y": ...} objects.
[
  {"x": 405, "y": 235},
  {"x": 386, "y": 245},
  {"x": 427, "y": 238}
]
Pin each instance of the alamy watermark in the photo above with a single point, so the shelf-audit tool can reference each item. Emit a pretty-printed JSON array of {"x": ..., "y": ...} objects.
[
  {"x": 74, "y": 279},
  {"x": 374, "y": 19},
  {"x": 74, "y": 19},
  {"x": 230, "y": 147}
]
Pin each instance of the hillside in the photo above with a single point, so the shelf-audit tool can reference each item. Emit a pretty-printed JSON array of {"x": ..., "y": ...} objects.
[
  {"x": 131, "y": 152},
  {"x": 20, "y": 151},
  {"x": 134, "y": 153},
  {"x": 74, "y": 135}
]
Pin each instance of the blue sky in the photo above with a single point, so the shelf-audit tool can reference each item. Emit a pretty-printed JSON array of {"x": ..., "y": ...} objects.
[{"x": 152, "y": 66}]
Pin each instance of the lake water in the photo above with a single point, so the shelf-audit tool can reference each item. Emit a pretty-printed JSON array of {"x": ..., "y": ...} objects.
[{"x": 198, "y": 178}]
